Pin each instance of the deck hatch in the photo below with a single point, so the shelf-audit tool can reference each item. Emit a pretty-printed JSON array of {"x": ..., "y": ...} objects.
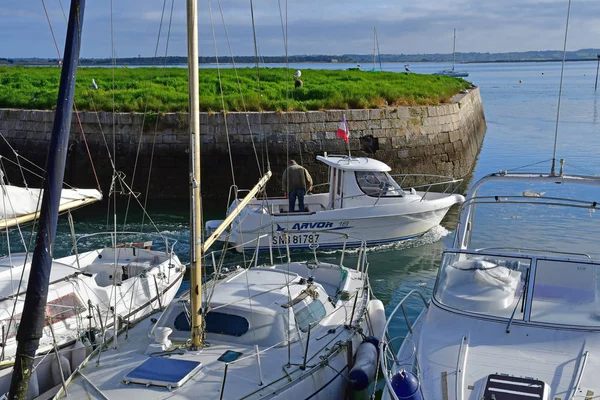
[
  {"x": 165, "y": 372},
  {"x": 504, "y": 387}
]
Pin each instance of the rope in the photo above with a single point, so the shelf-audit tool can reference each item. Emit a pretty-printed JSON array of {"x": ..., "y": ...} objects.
[
  {"x": 257, "y": 60},
  {"x": 212, "y": 26},
  {"x": 74, "y": 104},
  {"x": 156, "y": 123},
  {"x": 562, "y": 72},
  {"x": 240, "y": 88},
  {"x": 137, "y": 153}
]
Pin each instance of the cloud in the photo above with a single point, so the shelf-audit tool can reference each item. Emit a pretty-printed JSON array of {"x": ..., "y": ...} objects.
[{"x": 313, "y": 26}]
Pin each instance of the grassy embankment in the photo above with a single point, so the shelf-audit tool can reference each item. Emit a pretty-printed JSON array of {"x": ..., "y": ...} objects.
[{"x": 166, "y": 91}]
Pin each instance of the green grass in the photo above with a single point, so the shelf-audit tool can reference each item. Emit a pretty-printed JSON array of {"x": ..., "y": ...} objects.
[{"x": 166, "y": 90}]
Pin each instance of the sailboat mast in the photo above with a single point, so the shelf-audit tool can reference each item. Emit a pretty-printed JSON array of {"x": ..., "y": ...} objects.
[
  {"x": 195, "y": 204},
  {"x": 454, "y": 50},
  {"x": 32, "y": 324},
  {"x": 374, "y": 46}
]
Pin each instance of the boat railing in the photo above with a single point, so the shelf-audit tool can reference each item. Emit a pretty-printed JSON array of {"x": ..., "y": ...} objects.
[
  {"x": 388, "y": 355},
  {"x": 449, "y": 184},
  {"x": 518, "y": 250},
  {"x": 361, "y": 264},
  {"x": 168, "y": 248}
]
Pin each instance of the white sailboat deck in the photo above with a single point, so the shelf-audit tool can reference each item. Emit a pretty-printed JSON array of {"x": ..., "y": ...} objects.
[{"x": 266, "y": 310}]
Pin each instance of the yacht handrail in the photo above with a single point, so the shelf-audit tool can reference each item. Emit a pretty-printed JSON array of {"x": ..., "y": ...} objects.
[
  {"x": 534, "y": 250},
  {"x": 384, "y": 342}
]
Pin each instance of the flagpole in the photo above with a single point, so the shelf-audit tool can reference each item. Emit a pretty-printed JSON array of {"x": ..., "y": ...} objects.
[{"x": 347, "y": 136}]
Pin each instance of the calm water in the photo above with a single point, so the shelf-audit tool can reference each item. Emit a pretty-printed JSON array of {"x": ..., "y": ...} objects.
[{"x": 521, "y": 118}]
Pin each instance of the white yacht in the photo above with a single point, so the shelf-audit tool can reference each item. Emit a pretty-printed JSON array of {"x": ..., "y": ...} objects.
[
  {"x": 364, "y": 201},
  {"x": 511, "y": 321}
]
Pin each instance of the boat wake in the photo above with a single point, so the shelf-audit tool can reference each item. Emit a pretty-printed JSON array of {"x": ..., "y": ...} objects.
[{"x": 433, "y": 235}]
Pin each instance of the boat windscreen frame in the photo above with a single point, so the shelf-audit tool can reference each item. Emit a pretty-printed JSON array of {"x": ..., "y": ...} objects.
[{"x": 528, "y": 293}]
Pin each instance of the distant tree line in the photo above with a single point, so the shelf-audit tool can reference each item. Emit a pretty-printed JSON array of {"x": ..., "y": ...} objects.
[{"x": 545, "y": 55}]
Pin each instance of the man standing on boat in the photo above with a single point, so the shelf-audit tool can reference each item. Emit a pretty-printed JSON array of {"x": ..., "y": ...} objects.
[{"x": 295, "y": 181}]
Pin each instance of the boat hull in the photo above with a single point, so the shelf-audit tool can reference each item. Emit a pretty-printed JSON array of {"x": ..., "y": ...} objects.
[{"x": 375, "y": 225}]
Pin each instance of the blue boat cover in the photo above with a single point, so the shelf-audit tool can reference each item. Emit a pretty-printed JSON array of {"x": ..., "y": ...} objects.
[{"x": 161, "y": 371}]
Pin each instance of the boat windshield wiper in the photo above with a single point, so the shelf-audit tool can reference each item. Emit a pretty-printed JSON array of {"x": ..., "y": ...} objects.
[
  {"x": 512, "y": 317},
  {"x": 523, "y": 291}
]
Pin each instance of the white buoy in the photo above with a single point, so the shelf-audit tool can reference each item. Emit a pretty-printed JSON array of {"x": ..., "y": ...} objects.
[{"x": 376, "y": 312}]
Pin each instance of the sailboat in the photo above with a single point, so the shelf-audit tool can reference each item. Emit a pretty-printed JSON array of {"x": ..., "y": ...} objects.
[
  {"x": 52, "y": 310},
  {"x": 453, "y": 72},
  {"x": 279, "y": 331}
]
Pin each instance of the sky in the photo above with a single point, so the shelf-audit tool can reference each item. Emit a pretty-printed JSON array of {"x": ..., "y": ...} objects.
[{"x": 313, "y": 26}]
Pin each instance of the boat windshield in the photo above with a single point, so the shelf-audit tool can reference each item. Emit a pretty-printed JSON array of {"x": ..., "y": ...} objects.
[
  {"x": 483, "y": 284},
  {"x": 566, "y": 292},
  {"x": 378, "y": 184}
]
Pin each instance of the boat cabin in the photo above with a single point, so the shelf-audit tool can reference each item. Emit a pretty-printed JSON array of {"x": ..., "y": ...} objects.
[
  {"x": 358, "y": 181},
  {"x": 263, "y": 306}
]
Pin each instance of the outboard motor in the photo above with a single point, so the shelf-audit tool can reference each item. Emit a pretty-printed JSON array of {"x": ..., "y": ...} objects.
[{"x": 406, "y": 386}]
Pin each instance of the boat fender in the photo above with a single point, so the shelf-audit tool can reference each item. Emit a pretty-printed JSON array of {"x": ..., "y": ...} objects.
[
  {"x": 78, "y": 354},
  {"x": 376, "y": 313},
  {"x": 406, "y": 386},
  {"x": 66, "y": 368},
  {"x": 365, "y": 365}
]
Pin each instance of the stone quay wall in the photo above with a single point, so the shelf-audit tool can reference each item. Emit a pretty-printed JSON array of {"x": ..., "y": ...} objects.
[{"x": 442, "y": 139}]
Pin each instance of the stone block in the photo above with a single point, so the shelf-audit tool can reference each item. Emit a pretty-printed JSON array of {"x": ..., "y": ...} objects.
[
  {"x": 373, "y": 124},
  {"x": 335, "y": 116},
  {"x": 403, "y": 112},
  {"x": 358, "y": 115},
  {"x": 376, "y": 114},
  {"x": 316, "y": 116},
  {"x": 454, "y": 136}
]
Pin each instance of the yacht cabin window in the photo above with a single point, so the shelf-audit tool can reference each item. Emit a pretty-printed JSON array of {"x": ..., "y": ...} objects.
[
  {"x": 566, "y": 292},
  {"x": 378, "y": 184},
  {"x": 216, "y": 322},
  {"x": 314, "y": 312}
]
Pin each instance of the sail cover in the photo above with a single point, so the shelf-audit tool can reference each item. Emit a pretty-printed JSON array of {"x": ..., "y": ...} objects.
[{"x": 19, "y": 205}]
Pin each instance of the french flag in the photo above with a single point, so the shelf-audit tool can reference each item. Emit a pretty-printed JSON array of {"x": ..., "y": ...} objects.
[{"x": 343, "y": 132}]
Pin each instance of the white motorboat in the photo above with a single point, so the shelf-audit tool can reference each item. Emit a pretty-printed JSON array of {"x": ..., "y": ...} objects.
[
  {"x": 364, "y": 201},
  {"x": 509, "y": 321},
  {"x": 283, "y": 331}
]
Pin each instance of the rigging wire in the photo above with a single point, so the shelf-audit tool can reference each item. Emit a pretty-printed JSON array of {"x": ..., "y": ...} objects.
[
  {"x": 265, "y": 152},
  {"x": 137, "y": 153},
  {"x": 155, "y": 134},
  {"x": 239, "y": 87},
  {"x": 562, "y": 73},
  {"x": 221, "y": 91}
]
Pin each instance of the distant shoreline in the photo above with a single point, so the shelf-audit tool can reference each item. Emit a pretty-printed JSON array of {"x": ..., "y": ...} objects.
[
  {"x": 53, "y": 63},
  {"x": 366, "y": 59}
]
